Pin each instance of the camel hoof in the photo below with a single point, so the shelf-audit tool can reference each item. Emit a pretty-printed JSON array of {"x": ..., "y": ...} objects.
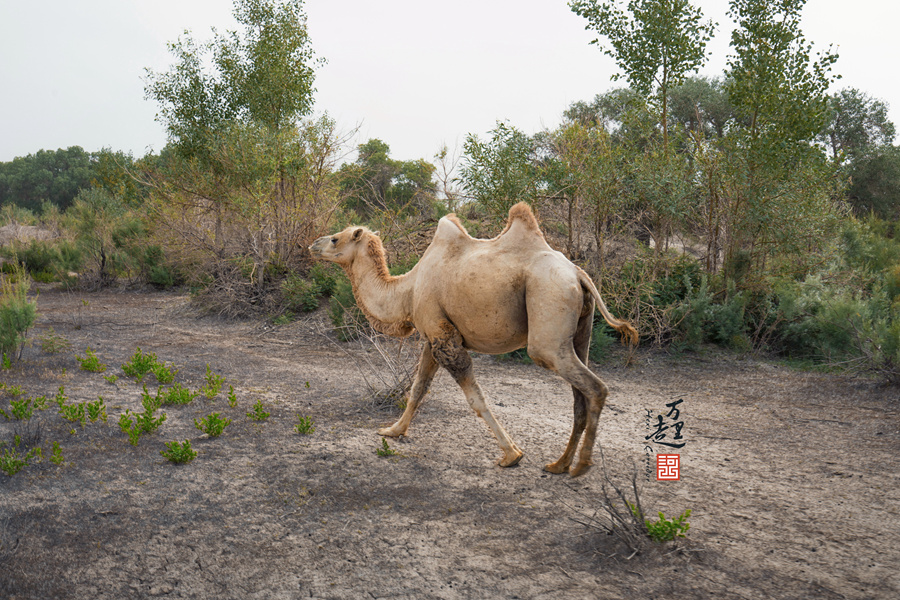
[
  {"x": 579, "y": 469},
  {"x": 390, "y": 432},
  {"x": 507, "y": 461},
  {"x": 556, "y": 468}
]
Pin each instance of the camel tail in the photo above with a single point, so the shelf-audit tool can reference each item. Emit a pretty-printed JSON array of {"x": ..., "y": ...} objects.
[{"x": 629, "y": 334}]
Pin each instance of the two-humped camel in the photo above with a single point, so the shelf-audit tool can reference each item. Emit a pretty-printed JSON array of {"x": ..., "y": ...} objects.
[{"x": 490, "y": 296}]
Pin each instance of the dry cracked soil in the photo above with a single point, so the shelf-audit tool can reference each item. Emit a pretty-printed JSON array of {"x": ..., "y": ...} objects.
[{"x": 791, "y": 476}]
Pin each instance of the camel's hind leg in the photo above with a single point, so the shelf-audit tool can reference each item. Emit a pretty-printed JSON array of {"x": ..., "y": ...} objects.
[
  {"x": 424, "y": 375},
  {"x": 448, "y": 350},
  {"x": 548, "y": 345},
  {"x": 582, "y": 344}
]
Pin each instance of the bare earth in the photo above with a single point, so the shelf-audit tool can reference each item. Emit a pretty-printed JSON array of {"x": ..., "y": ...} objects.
[{"x": 792, "y": 477}]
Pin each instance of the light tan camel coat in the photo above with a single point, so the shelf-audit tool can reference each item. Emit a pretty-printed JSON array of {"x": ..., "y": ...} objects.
[{"x": 489, "y": 296}]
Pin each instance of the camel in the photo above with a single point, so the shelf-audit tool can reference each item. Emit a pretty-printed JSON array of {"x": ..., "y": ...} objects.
[{"x": 490, "y": 296}]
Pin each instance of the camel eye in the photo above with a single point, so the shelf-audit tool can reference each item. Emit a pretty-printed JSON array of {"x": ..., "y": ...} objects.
[{"x": 334, "y": 241}]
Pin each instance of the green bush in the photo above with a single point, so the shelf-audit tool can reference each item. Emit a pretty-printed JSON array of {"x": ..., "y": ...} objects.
[
  {"x": 346, "y": 317},
  {"x": 702, "y": 319},
  {"x": 17, "y": 312},
  {"x": 300, "y": 294}
]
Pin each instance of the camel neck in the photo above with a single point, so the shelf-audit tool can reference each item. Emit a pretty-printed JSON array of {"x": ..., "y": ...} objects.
[{"x": 385, "y": 300}]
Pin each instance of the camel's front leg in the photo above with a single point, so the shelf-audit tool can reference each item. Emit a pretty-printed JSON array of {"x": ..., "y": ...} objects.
[
  {"x": 450, "y": 353},
  {"x": 424, "y": 375}
]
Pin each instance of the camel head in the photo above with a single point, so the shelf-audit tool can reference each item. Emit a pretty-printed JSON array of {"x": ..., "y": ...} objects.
[{"x": 343, "y": 247}]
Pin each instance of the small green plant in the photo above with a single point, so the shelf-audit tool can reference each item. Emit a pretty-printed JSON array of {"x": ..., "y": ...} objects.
[
  {"x": 90, "y": 362},
  {"x": 213, "y": 384},
  {"x": 111, "y": 378},
  {"x": 666, "y": 530},
  {"x": 213, "y": 425},
  {"x": 305, "y": 425},
  {"x": 52, "y": 343},
  {"x": 74, "y": 412},
  {"x": 258, "y": 413},
  {"x": 232, "y": 397},
  {"x": 60, "y": 397},
  {"x": 22, "y": 409},
  {"x": 17, "y": 312},
  {"x": 163, "y": 373},
  {"x": 135, "y": 424},
  {"x": 96, "y": 410},
  {"x": 40, "y": 402},
  {"x": 178, "y": 394},
  {"x": 140, "y": 364},
  {"x": 56, "y": 457},
  {"x": 15, "y": 391},
  {"x": 179, "y": 453},
  {"x": 6, "y": 364},
  {"x": 11, "y": 461},
  {"x": 385, "y": 450}
]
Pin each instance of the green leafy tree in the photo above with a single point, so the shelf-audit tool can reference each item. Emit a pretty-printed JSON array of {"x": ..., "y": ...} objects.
[
  {"x": 700, "y": 105},
  {"x": 501, "y": 171},
  {"x": 857, "y": 125},
  {"x": 248, "y": 180},
  {"x": 263, "y": 75},
  {"x": 655, "y": 43},
  {"x": 875, "y": 183},
  {"x": 378, "y": 182},
  {"x": 54, "y": 176},
  {"x": 777, "y": 191}
]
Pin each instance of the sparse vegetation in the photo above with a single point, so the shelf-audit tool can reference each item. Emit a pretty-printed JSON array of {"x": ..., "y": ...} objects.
[
  {"x": 90, "y": 362},
  {"x": 305, "y": 425},
  {"x": 212, "y": 425},
  {"x": 258, "y": 413},
  {"x": 385, "y": 449},
  {"x": 179, "y": 453},
  {"x": 213, "y": 384}
]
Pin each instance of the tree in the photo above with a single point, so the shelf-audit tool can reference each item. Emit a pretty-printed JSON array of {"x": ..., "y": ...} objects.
[
  {"x": 247, "y": 182},
  {"x": 263, "y": 75},
  {"x": 857, "y": 125},
  {"x": 502, "y": 171},
  {"x": 656, "y": 43},
  {"x": 700, "y": 105},
  {"x": 776, "y": 188},
  {"x": 54, "y": 176},
  {"x": 875, "y": 183},
  {"x": 376, "y": 181}
]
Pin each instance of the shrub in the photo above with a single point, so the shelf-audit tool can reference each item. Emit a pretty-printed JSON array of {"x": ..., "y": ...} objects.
[
  {"x": 17, "y": 312},
  {"x": 90, "y": 362},
  {"x": 346, "y": 317},
  {"x": 258, "y": 413},
  {"x": 140, "y": 364},
  {"x": 213, "y": 425},
  {"x": 300, "y": 294},
  {"x": 179, "y": 453},
  {"x": 304, "y": 425},
  {"x": 178, "y": 395}
]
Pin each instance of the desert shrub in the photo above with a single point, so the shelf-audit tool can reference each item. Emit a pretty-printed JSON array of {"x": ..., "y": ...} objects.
[
  {"x": 17, "y": 311},
  {"x": 300, "y": 294},
  {"x": 346, "y": 317},
  {"x": 847, "y": 315},
  {"x": 325, "y": 276},
  {"x": 701, "y": 318},
  {"x": 602, "y": 339},
  {"x": 647, "y": 291}
]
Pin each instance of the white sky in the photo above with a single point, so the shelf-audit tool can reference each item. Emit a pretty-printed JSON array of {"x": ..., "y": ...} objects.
[{"x": 415, "y": 73}]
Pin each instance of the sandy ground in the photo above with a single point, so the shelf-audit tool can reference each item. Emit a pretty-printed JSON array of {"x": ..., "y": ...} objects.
[{"x": 791, "y": 477}]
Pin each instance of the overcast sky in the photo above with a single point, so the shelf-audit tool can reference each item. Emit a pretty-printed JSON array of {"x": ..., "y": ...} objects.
[{"x": 415, "y": 73}]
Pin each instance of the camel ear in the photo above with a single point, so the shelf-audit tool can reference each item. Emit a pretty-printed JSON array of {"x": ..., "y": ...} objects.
[
  {"x": 376, "y": 233},
  {"x": 357, "y": 235}
]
